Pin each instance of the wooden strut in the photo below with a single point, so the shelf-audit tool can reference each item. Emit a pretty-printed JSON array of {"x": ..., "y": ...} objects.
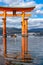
[
  {"x": 4, "y": 34},
  {"x": 10, "y": 15}
]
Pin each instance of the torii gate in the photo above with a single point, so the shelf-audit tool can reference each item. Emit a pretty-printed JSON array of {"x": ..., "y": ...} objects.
[{"x": 24, "y": 53}]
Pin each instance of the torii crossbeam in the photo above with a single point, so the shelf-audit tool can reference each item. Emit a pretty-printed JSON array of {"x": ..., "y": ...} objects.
[{"x": 24, "y": 54}]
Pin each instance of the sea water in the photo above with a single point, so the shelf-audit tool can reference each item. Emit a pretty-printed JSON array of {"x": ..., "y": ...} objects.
[{"x": 35, "y": 47}]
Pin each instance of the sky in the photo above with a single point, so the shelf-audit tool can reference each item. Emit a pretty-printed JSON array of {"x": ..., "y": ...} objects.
[{"x": 36, "y": 19}]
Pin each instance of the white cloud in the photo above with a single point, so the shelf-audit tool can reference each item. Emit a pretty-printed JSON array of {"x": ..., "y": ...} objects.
[
  {"x": 32, "y": 23},
  {"x": 39, "y": 6},
  {"x": 35, "y": 19},
  {"x": 39, "y": 11},
  {"x": 18, "y": 2},
  {"x": 35, "y": 23},
  {"x": 9, "y": 1},
  {"x": 13, "y": 20},
  {"x": 22, "y": 4}
]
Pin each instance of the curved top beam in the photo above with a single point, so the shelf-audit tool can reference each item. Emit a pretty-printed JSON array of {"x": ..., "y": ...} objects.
[{"x": 17, "y": 9}]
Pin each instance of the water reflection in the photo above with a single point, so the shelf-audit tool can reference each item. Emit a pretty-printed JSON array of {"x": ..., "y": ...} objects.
[{"x": 35, "y": 47}]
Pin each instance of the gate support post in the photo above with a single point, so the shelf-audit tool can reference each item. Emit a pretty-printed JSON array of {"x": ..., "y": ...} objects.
[
  {"x": 26, "y": 57},
  {"x": 24, "y": 37},
  {"x": 23, "y": 40},
  {"x": 4, "y": 34}
]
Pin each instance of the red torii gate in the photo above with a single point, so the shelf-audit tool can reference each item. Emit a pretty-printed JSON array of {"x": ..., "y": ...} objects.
[{"x": 24, "y": 54}]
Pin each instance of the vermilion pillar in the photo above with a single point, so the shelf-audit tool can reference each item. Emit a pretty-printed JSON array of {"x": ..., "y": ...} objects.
[
  {"x": 24, "y": 36},
  {"x": 4, "y": 34},
  {"x": 23, "y": 40}
]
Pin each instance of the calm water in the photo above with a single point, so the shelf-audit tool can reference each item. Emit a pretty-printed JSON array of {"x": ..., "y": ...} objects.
[{"x": 35, "y": 46}]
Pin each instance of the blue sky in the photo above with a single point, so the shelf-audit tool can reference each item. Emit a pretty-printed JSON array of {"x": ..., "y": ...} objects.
[
  {"x": 39, "y": 1},
  {"x": 36, "y": 20}
]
